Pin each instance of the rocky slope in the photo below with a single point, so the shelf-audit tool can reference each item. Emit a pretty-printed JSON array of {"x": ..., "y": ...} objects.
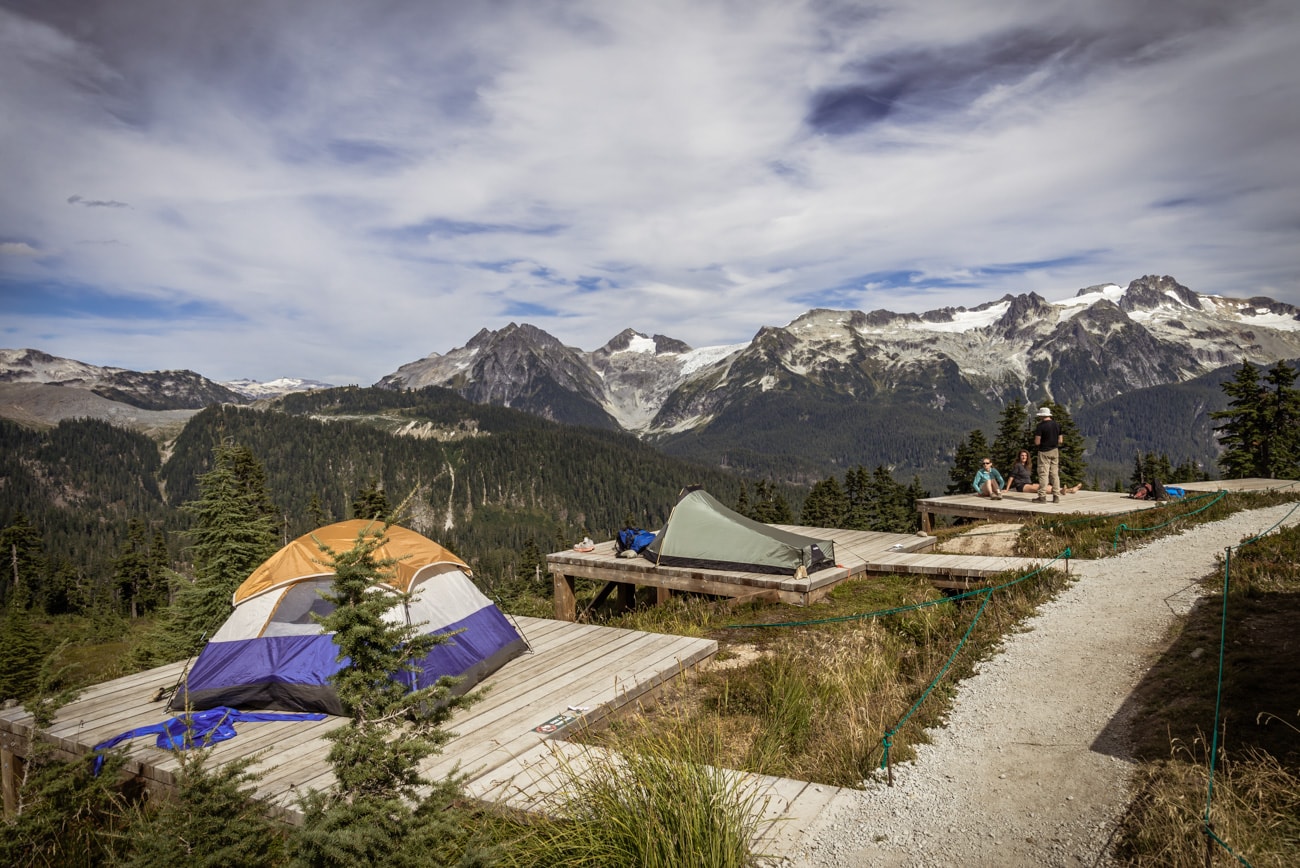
[{"x": 1105, "y": 341}]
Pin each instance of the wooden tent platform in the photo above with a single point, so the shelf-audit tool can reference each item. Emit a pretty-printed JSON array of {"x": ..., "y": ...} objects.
[
  {"x": 572, "y": 666},
  {"x": 1017, "y": 507},
  {"x": 510, "y": 744},
  {"x": 857, "y": 553}
]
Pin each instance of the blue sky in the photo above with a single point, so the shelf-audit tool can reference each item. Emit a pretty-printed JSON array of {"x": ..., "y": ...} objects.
[{"x": 331, "y": 189}]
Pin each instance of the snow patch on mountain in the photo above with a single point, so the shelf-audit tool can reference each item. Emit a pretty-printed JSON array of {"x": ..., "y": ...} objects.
[
  {"x": 964, "y": 320},
  {"x": 274, "y": 388},
  {"x": 705, "y": 357}
]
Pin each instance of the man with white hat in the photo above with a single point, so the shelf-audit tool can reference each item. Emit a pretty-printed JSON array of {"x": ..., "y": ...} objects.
[{"x": 1047, "y": 437}]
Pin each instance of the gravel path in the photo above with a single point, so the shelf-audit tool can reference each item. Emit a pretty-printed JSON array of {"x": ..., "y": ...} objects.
[{"x": 1031, "y": 767}]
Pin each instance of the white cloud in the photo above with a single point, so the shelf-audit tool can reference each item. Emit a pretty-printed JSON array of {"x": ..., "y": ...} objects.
[
  {"x": 329, "y": 188},
  {"x": 18, "y": 248}
]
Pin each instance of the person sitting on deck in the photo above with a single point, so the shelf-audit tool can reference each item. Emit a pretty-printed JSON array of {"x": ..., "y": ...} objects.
[
  {"x": 988, "y": 481},
  {"x": 1022, "y": 476}
]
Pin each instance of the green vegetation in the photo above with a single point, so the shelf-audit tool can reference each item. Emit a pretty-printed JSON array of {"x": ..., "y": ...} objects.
[
  {"x": 659, "y": 806},
  {"x": 233, "y": 532},
  {"x": 1255, "y": 804},
  {"x": 1016, "y": 432},
  {"x": 92, "y": 536},
  {"x": 771, "y": 713},
  {"x": 382, "y": 811},
  {"x": 866, "y": 501},
  {"x": 1102, "y": 536},
  {"x": 1261, "y": 426}
]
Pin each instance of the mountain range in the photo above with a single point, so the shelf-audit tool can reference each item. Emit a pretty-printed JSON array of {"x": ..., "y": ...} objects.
[{"x": 830, "y": 390}]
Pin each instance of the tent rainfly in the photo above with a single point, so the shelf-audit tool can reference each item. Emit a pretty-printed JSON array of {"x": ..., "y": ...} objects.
[
  {"x": 271, "y": 654},
  {"x": 701, "y": 532}
]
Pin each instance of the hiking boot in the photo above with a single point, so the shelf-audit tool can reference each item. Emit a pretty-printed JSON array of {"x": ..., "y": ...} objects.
[
  {"x": 1055, "y": 499},
  {"x": 1039, "y": 499}
]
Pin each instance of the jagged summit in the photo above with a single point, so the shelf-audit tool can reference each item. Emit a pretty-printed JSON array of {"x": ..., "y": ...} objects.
[{"x": 1104, "y": 341}]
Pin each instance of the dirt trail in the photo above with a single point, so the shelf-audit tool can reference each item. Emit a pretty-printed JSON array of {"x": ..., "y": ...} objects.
[{"x": 1032, "y": 766}]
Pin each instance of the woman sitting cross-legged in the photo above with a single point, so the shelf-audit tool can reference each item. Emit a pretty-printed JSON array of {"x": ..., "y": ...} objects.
[
  {"x": 1022, "y": 475},
  {"x": 988, "y": 482}
]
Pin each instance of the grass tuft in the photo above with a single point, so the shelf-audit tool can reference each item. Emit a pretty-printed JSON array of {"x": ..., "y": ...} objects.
[{"x": 658, "y": 805}]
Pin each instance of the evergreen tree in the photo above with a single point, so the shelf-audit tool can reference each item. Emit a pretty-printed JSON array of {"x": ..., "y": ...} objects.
[
  {"x": 1281, "y": 445},
  {"x": 234, "y": 532},
  {"x": 316, "y": 513},
  {"x": 742, "y": 501},
  {"x": 21, "y": 650},
  {"x": 23, "y": 558},
  {"x": 368, "y": 817},
  {"x": 1189, "y": 471},
  {"x": 157, "y": 583},
  {"x": 916, "y": 492},
  {"x": 67, "y": 814},
  {"x": 895, "y": 512},
  {"x": 770, "y": 505},
  {"x": 1152, "y": 467},
  {"x": 1244, "y": 427},
  {"x": 825, "y": 506},
  {"x": 371, "y": 502},
  {"x": 532, "y": 565},
  {"x": 966, "y": 461},
  {"x": 213, "y": 808},
  {"x": 1015, "y": 432},
  {"x": 862, "y": 508},
  {"x": 131, "y": 568}
]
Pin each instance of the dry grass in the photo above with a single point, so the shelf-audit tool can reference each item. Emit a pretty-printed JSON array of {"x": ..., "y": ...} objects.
[
  {"x": 1256, "y": 811},
  {"x": 811, "y": 698}
]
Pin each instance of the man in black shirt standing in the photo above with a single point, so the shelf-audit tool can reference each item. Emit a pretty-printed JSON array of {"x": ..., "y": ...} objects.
[{"x": 1047, "y": 437}]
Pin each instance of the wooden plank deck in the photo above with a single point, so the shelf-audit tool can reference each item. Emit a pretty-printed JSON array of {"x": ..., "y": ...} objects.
[
  {"x": 852, "y": 551},
  {"x": 857, "y": 553},
  {"x": 785, "y": 807},
  {"x": 600, "y": 670},
  {"x": 1017, "y": 507}
]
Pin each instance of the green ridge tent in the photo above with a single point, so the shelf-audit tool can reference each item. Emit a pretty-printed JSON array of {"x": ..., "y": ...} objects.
[{"x": 701, "y": 532}]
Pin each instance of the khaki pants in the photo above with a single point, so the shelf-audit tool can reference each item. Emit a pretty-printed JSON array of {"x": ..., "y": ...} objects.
[{"x": 1049, "y": 471}]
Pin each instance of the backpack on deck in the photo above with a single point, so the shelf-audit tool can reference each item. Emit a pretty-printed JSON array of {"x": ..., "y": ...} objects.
[{"x": 633, "y": 538}]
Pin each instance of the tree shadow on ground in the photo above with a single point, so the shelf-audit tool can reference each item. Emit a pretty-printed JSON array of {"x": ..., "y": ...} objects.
[{"x": 1260, "y": 700}]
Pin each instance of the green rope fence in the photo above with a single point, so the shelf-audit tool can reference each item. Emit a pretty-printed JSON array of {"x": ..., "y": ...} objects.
[
  {"x": 1090, "y": 519},
  {"x": 1124, "y": 527},
  {"x": 1067, "y": 553},
  {"x": 1208, "y": 826},
  {"x": 887, "y": 740},
  {"x": 987, "y": 593}
]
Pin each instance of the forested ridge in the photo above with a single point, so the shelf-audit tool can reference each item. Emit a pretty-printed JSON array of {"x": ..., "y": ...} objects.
[{"x": 485, "y": 481}]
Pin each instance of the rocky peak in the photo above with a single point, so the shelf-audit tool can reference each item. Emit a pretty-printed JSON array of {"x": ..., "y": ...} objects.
[
  {"x": 1151, "y": 291},
  {"x": 1022, "y": 311}
]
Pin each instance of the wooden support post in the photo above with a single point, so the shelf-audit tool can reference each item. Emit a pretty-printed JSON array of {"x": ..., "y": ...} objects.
[
  {"x": 566, "y": 601},
  {"x": 626, "y": 596},
  {"x": 662, "y": 595},
  {"x": 9, "y": 781}
]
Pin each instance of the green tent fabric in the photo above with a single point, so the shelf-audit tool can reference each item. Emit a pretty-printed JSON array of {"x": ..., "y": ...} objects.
[{"x": 702, "y": 532}]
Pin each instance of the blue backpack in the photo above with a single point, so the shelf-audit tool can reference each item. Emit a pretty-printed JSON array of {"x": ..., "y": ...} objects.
[{"x": 633, "y": 538}]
